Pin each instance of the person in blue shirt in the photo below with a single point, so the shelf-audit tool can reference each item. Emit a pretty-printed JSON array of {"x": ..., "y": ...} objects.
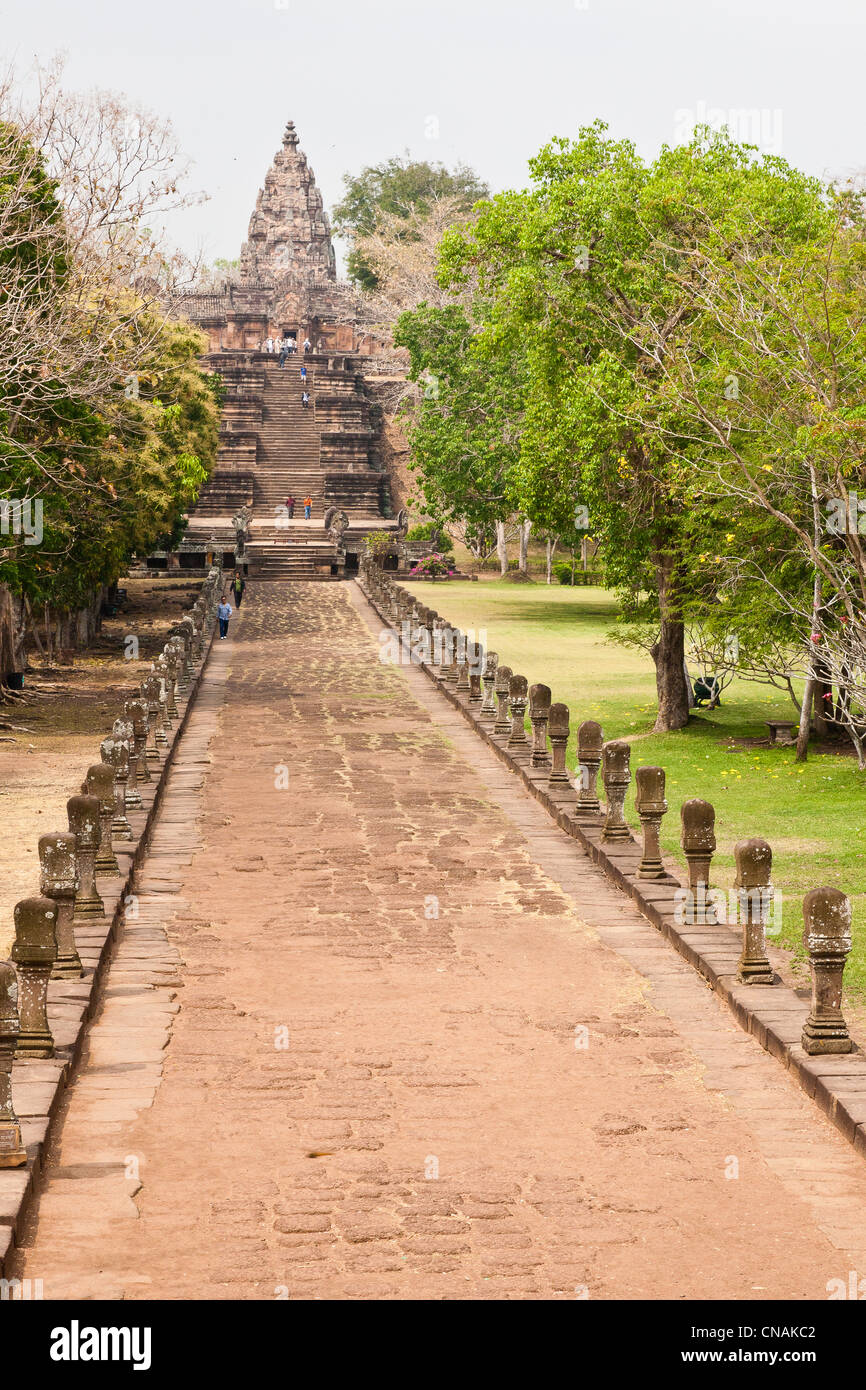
[{"x": 224, "y": 612}]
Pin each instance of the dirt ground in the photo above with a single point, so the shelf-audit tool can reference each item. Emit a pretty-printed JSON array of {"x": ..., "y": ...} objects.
[{"x": 58, "y": 726}]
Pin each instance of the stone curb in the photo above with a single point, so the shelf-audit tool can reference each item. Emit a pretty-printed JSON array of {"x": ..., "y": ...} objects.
[
  {"x": 773, "y": 1014},
  {"x": 39, "y": 1086}
]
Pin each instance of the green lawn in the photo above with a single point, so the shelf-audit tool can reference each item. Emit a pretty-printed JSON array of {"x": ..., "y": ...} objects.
[{"x": 812, "y": 819}]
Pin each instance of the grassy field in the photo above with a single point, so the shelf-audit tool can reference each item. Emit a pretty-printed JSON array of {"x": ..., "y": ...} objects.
[{"x": 813, "y": 819}]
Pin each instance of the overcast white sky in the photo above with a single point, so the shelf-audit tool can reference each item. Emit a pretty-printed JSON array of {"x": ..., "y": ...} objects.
[{"x": 489, "y": 80}]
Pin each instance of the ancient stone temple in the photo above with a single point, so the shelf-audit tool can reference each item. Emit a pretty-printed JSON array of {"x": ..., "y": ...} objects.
[
  {"x": 288, "y": 271},
  {"x": 304, "y": 429}
]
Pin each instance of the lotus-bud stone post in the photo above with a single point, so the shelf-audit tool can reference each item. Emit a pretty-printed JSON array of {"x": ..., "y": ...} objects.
[
  {"x": 558, "y": 729},
  {"x": 616, "y": 774},
  {"x": 517, "y": 700},
  {"x": 464, "y": 660},
  {"x": 458, "y": 641},
  {"x": 137, "y": 711},
  {"x": 651, "y": 806},
  {"x": 754, "y": 861},
  {"x": 12, "y": 1151},
  {"x": 698, "y": 840},
  {"x": 58, "y": 858},
  {"x": 164, "y": 725},
  {"x": 151, "y": 689},
  {"x": 34, "y": 952},
  {"x": 83, "y": 813},
  {"x": 173, "y": 658},
  {"x": 123, "y": 731},
  {"x": 441, "y": 642},
  {"x": 100, "y": 783},
  {"x": 115, "y": 752},
  {"x": 590, "y": 741},
  {"x": 539, "y": 712},
  {"x": 827, "y": 934},
  {"x": 503, "y": 683},
  {"x": 476, "y": 666},
  {"x": 487, "y": 713}
]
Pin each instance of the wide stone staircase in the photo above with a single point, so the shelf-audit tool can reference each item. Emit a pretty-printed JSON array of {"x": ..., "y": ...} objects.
[{"x": 272, "y": 447}]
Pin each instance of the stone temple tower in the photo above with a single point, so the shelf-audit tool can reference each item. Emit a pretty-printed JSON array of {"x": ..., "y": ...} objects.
[
  {"x": 289, "y": 239},
  {"x": 287, "y": 282}
]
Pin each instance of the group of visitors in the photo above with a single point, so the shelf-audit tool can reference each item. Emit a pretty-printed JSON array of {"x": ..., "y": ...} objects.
[
  {"x": 307, "y": 505},
  {"x": 224, "y": 608},
  {"x": 287, "y": 347}
]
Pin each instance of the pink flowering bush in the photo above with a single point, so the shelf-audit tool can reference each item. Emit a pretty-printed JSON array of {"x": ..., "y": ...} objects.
[{"x": 431, "y": 567}]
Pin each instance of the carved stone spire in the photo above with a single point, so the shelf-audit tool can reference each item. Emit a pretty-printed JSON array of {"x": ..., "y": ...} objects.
[{"x": 289, "y": 237}]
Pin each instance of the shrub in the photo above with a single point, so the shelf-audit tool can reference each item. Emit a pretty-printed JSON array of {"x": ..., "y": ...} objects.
[
  {"x": 563, "y": 573},
  {"x": 425, "y": 532},
  {"x": 431, "y": 567}
]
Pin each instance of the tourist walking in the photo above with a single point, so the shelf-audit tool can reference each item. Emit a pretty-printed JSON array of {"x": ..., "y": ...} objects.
[
  {"x": 303, "y": 372},
  {"x": 305, "y": 399},
  {"x": 284, "y": 351},
  {"x": 238, "y": 586},
  {"x": 308, "y": 507},
  {"x": 290, "y": 507},
  {"x": 308, "y": 346},
  {"x": 269, "y": 345},
  {"x": 224, "y": 612}
]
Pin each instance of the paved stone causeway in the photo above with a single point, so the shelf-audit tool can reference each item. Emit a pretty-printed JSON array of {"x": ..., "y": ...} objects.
[{"x": 379, "y": 1030}]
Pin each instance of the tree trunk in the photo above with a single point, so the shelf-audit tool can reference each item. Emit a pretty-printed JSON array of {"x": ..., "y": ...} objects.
[
  {"x": 805, "y": 720},
  {"x": 551, "y": 546},
  {"x": 823, "y": 701},
  {"x": 525, "y": 528},
  {"x": 669, "y": 652},
  {"x": 12, "y": 658},
  {"x": 501, "y": 547}
]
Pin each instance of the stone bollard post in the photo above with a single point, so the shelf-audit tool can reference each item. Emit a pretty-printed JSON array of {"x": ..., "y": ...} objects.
[
  {"x": 539, "y": 713},
  {"x": 487, "y": 713},
  {"x": 464, "y": 661},
  {"x": 83, "y": 813},
  {"x": 58, "y": 857},
  {"x": 163, "y": 728},
  {"x": 100, "y": 783},
  {"x": 12, "y": 1151},
  {"x": 477, "y": 663},
  {"x": 517, "y": 700},
  {"x": 698, "y": 840},
  {"x": 558, "y": 729},
  {"x": 651, "y": 806},
  {"x": 441, "y": 647},
  {"x": 172, "y": 656},
  {"x": 590, "y": 741},
  {"x": 34, "y": 952},
  {"x": 151, "y": 691},
  {"x": 123, "y": 731},
  {"x": 452, "y": 673},
  {"x": 137, "y": 711},
  {"x": 115, "y": 754},
  {"x": 503, "y": 685},
  {"x": 827, "y": 934},
  {"x": 754, "y": 861},
  {"x": 616, "y": 775}
]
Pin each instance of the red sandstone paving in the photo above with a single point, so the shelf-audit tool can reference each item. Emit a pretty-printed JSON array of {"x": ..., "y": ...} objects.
[{"x": 431, "y": 1130}]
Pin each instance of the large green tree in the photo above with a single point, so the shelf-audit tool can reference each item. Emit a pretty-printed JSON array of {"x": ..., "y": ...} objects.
[
  {"x": 398, "y": 193},
  {"x": 589, "y": 269}
]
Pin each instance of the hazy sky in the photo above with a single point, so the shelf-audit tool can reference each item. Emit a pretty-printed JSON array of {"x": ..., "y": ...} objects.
[{"x": 483, "y": 81}]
